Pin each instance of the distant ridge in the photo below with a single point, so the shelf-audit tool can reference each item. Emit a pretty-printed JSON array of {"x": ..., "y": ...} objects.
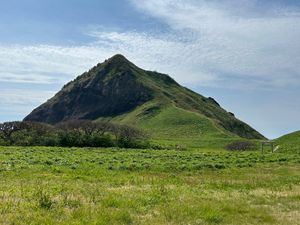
[
  {"x": 118, "y": 91},
  {"x": 290, "y": 142}
]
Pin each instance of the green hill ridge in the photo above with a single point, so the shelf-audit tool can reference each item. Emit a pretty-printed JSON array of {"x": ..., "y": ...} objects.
[
  {"x": 119, "y": 91},
  {"x": 289, "y": 142}
]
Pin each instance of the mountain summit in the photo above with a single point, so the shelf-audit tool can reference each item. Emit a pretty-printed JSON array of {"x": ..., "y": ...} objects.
[{"x": 118, "y": 91}]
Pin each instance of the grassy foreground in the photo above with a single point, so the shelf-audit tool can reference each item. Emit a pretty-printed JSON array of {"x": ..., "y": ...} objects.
[{"x": 42, "y": 185}]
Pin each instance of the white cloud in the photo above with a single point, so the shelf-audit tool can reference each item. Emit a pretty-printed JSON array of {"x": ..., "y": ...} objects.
[
  {"x": 210, "y": 43},
  {"x": 21, "y": 97},
  {"x": 41, "y": 63},
  {"x": 254, "y": 46},
  {"x": 231, "y": 43},
  {"x": 16, "y": 103},
  {"x": 27, "y": 77}
]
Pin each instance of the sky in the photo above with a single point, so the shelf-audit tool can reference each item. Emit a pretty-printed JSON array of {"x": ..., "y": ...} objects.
[{"x": 243, "y": 53}]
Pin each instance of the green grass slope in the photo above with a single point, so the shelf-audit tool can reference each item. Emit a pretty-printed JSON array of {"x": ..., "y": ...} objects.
[
  {"x": 289, "y": 142},
  {"x": 170, "y": 125}
]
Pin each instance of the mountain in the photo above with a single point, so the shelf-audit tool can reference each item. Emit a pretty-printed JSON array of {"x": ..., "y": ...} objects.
[{"x": 119, "y": 91}]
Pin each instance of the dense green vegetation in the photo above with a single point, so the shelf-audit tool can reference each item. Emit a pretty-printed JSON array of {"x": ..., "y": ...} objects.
[
  {"x": 51, "y": 185},
  {"x": 73, "y": 133},
  {"x": 241, "y": 146}
]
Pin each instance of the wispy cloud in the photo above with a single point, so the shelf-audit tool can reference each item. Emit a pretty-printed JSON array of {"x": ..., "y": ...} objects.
[
  {"x": 23, "y": 97},
  {"x": 16, "y": 103},
  {"x": 41, "y": 63},
  {"x": 210, "y": 43},
  {"x": 236, "y": 44},
  {"x": 261, "y": 43}
]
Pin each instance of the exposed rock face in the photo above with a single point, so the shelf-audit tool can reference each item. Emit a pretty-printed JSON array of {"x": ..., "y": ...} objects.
[{"x": 108, "y": 89}]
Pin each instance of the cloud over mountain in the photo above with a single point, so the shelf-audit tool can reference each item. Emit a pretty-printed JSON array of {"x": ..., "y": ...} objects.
[{"x": 241, "y": 45}]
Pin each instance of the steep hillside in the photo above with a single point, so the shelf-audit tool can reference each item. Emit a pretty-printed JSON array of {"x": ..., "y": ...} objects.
[{"x": 117, "y": 90}]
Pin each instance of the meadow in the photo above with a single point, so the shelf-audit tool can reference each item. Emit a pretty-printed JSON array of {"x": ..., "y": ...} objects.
[{"x": 53, "y": 185}]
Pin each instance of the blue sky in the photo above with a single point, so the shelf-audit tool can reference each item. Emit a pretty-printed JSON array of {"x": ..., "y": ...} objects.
[{"x": 244, "y": 53}]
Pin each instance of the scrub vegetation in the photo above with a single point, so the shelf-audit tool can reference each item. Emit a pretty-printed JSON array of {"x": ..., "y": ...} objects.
[
  {"x": 73, "y": 133},
  {"x": 53, "y": 185}
]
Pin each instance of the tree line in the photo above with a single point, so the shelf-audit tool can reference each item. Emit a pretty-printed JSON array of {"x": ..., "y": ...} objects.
[{"x": 73, "y": 133}]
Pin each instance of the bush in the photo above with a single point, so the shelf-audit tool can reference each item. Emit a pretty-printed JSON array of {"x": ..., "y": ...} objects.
[
  {"x": 133, "y": 143},
  {"x": 241, "y": 146},
  {"x": 102, "y": 141},
  {"x": 74, "y": 133}
]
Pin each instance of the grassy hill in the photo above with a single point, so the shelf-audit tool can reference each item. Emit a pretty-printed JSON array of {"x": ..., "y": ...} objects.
[
  {"x": 289, "y": 142},
  {"x": 171, "y": 125},
  {"x": 119, "y": 91}
]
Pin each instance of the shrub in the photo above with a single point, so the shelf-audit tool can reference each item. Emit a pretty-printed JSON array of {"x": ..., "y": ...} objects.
[
  {"x": 133, "y": 143},
  {"x": 7, "y": 130},
  {"x": 74, "y": 133},
  {"x": 68, "y": 139},
  {"x": 102, "y": 141},
  {"x": 241, "y": 146}
]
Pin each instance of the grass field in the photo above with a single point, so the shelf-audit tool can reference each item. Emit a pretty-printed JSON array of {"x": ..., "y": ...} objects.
[{"x": 42, "y": 185}]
